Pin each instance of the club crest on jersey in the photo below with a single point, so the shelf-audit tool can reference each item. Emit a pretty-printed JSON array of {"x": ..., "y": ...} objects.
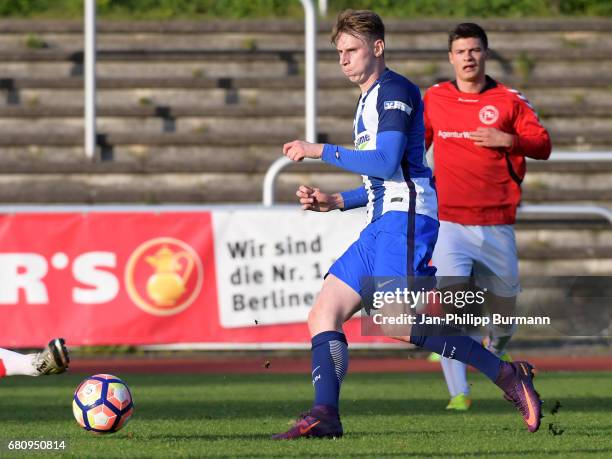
[
  {"x": 397, "y": 105},
  {"x": 488, "y": 114}
]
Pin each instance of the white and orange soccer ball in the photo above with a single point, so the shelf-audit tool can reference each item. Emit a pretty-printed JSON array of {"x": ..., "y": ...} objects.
[{"x": 102, "y": 404}]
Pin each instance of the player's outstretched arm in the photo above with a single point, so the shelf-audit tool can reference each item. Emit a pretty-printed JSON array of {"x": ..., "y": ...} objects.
[
  {"x": 297, "y": 150},
  {"x": 381, "y": 162}
]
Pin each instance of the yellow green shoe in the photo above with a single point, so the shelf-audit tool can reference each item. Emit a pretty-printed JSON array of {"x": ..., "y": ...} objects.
[
  {"x": 459, "y": 403},
  {"x": 433, "y": 357},
  {"x": 505, "y": 357}
]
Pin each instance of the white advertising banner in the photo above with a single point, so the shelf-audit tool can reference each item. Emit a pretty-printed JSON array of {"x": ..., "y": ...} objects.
[{"x": 270, "y": 263}]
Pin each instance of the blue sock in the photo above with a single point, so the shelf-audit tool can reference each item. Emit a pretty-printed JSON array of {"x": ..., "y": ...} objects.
[
  {"x": 448, "y": 342},
  {"x": 329, "y": 366}
]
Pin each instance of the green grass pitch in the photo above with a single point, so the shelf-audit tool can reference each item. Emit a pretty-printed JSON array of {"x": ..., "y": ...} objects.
[{"x": 384, "y": 415}]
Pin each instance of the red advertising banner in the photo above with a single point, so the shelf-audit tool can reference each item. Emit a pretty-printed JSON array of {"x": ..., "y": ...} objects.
[
  {"x": 102, "y": 278},
  {"x": 106, "y": 278}
]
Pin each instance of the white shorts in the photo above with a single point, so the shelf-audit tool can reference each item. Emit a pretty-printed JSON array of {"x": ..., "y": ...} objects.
[{"x": 486, "y": 252}]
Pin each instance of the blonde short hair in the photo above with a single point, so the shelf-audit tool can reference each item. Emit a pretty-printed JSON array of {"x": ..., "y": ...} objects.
[{"x": 359, "y": 23}]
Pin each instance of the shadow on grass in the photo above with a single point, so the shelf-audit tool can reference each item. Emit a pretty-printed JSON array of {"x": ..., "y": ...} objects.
[
  {"x": 537, "y": 453},
  {"x": 282, "y": 380},
  {"x": 255, "y": 409},
  {"x": 208, "y": 437},
  {"x": 160, "y": 409}
]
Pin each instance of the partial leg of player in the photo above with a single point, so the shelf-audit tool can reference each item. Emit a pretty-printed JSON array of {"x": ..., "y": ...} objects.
[{"x": 53, "y": 359}]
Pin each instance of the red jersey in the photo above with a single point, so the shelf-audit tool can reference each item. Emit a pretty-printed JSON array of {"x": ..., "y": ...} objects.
[{"x": 480, "y": 185}]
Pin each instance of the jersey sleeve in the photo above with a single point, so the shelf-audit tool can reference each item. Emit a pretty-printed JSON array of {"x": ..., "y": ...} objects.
[
  {"x": 357, "y": 197},
  {"x": 532, "y": 139},
  {"x": 381, "y": 162}
]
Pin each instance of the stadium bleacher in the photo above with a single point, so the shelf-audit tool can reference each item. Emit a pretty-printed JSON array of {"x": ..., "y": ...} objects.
[{"x": 195, "y": 112}]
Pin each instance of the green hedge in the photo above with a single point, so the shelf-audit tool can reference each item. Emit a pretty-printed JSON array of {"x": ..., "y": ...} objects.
[
  {"x": 186, "y": 9},
  {"x": 481, "y": 8}
]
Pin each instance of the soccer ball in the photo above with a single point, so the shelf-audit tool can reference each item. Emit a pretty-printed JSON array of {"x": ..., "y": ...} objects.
[{"x": 102, "y": 404}]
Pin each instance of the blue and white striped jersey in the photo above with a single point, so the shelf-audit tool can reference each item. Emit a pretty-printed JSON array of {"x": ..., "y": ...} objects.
[{"x": 390, "y": 150}]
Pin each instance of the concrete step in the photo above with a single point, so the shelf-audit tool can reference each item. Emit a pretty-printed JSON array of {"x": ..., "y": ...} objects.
[
  {"x": 191, "y": 187},
  {"x": 564, "y": 132},
  {"x": 577, "y": 123},
  {"x": 287, "y": 82},
  {"x": 586, "y": 131},
  {"x": 564, "y": 101},
  {"x": 559, "y": 253},
  {"x": 568, "y": 239},
  {"x": 236, "y": 63},
  {"x": 109, "y": 186},
  {"x": 560, "y": 222},
  {"x": 567, "y": 196},
  {"x": 146, "y": 159},
  {"x": 154, "y": 54},
  {"x": 583, "y": 167},
  {"x": 145, "y": 109},
  {"x": 547, "y": 40},
  {"x": 253, "y": 127},
  {"x": 565, "y": 267},
  {"x": 279, "y": 34},
  {"x": 73, "y": 136},
  {"x": 153, "y": 188},
  {"x": 337, "y": 112},
  {"x": 208, "y": 158}
]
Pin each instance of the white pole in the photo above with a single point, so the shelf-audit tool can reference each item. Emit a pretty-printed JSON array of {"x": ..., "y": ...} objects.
[
  {"x": 90, "y": 78},
  {"x": 323, "y": 8},
  {"x": 310, "y": 43},
  {"x": 578, "y": 156},
  {"x": 269, "y": 183},
  {"x": 560, "y": 209}
]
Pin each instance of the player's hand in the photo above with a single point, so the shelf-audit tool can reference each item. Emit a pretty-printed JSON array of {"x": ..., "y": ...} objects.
[
  {"x": 317, "y": 201},
  {"x": 298, "y": 150},
  {"x": 492, "y": 138}
]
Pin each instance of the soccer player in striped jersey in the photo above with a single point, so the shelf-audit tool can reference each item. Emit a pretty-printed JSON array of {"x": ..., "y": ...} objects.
[
  {"x": 481, "y": 132},
  {"x": 399, "y": 238},
  {"x": 52, "y": 360}
]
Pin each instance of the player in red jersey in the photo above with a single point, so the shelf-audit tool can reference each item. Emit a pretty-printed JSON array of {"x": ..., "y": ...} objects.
[{"x": 481, "y": 132}]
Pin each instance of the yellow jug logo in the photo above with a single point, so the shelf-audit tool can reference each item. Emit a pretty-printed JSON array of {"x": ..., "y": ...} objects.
[{"x": 163, "y": 276}]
